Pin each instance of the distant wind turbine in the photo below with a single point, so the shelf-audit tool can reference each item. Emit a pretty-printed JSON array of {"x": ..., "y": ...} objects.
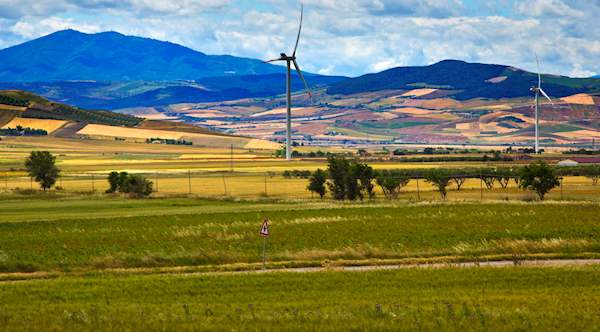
[
  {"x": 537, "y": 90},
  {"x": 289, "y": 60}
]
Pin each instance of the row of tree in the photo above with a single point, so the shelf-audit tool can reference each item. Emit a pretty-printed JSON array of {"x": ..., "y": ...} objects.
[
  {"x": 351, "y": 179},
  {"x": 41, "y": 166}
]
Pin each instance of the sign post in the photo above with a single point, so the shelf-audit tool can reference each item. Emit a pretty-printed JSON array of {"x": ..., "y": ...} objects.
[{"x": 264, "y": 232}]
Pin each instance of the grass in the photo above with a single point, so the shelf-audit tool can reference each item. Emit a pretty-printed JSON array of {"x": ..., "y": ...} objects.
[
  {"x": 86, "y": 235},
  {"x": 473, "y": 299}
]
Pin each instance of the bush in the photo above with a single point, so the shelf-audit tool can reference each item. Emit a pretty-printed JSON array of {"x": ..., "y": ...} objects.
[
  {"x": 316, "y": 182},
  {"x": 391, "y": 182},
  {"x": 136, "y": 186}
]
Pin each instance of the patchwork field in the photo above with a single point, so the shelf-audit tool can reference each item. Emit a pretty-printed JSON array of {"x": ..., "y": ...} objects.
[
  {"x": 425, "y": 115},
  {"x": 45, "y": 124}
]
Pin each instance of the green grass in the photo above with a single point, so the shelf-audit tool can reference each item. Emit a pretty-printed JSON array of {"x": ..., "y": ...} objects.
[
  {"x": 473, "y": 299},
  {"x": 75, "y": 235}
]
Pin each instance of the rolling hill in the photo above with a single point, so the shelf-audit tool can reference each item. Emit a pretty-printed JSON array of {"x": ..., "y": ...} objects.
[
  {"x": 465, "y": 81},
  {"x": 110, "y": 56},
  {"x": 21, "y": 111}
]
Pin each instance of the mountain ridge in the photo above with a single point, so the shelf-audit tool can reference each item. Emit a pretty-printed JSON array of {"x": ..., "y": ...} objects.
[
  {"x": 111, "y": 56},
  {"x": 466, "y": 80}
]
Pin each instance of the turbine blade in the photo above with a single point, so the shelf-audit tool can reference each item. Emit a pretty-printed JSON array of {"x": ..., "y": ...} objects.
[
  {"x": 547, "y": 97},
  {"x": 537, "y": 60},
  {"x": 303, "y": 80},
  {"x": 272, "y": 60},
  {"x": 299, "y": 30}
]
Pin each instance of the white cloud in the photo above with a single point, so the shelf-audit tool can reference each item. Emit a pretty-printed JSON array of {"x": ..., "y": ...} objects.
[{"x": 348, "y": 37}]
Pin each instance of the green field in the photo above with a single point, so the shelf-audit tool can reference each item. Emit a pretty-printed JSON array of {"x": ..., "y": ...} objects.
[
  {"x": 59, "y": 235},
  {"x": 474, "y": 299}
]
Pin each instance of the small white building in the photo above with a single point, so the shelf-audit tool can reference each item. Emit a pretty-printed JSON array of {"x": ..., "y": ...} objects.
[{"x": 567, "y": 162}]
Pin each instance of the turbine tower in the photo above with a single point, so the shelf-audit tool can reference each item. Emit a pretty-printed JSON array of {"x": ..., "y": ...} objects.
[
  {"x": 537, "y": 90},
  {"x": 289, "y": 59}
]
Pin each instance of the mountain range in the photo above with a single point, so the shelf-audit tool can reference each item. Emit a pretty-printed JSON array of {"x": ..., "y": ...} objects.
[{"x": 110, "y": 56}]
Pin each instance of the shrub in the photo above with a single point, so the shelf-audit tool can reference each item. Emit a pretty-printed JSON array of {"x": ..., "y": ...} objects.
[
  {"x": 391, "y": 182},
  {"x": 136, "y": 186},
  {"x": 440, "y": 178},
  {"x": 316, "y": 182}
]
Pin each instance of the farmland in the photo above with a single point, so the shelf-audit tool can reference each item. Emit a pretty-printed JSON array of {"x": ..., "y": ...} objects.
[
  {"x": 443, "y": 299},
  {"x": 190, "y": 258}
]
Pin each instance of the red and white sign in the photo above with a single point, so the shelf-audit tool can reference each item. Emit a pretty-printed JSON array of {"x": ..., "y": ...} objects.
[{"x": 264, "y": 229}]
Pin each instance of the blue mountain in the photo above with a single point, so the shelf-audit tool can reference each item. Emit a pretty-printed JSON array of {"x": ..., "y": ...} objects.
[
  {"x": 110, "y": 56},
  {"x": 465, "y": 81}
]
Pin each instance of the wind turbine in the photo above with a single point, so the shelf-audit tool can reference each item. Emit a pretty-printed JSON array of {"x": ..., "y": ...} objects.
[
  {"x": 289, "y": 60},
  {"x": 537, "y": 90}
]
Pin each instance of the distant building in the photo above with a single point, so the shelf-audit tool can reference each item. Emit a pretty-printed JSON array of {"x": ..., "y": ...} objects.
[{"x": 578, "y": 161}]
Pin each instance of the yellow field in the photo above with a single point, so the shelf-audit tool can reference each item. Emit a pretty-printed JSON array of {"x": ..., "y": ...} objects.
[
  {"x": 44, "y": 124},
  {"x": 418, "y": 92},
  {"x": 102, "y": 131},
  {"x": 581, "y": 99}
]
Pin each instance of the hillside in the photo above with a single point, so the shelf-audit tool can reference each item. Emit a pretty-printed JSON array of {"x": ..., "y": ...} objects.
[
  {"x": 110, "y": 56},
  {"x": 26, "y": 114},
  {"x": 465, "y": 81},
  {"x": 40, "y": 108}
]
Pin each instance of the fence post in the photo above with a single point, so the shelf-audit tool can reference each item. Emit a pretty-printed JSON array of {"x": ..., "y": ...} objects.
[
  {"x": 156, "y": 187},
  {"x": 189, "y": 181},
  {"x": 266, "y": 194},
  {"x": 224, "y": 185},
  {"x": 561, "y": 187},
  {"x": 93, "y": 188},
  {"x": 418, "y": 191},
  {"x": 30, "y": 183},
  {"x": 6, "y": 181}
]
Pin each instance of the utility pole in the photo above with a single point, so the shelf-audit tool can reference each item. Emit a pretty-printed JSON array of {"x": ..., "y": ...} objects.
[
  {"x": 418, "y": 191},
  {"x": 189, "y": 181},
  {"x": 231, "y": 158},
  {"x": 266, "y": 184}
]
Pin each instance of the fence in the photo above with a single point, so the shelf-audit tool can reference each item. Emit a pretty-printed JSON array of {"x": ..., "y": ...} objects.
[{"x": 254, "y": 185}]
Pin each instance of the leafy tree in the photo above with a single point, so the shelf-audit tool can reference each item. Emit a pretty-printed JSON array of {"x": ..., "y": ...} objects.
[
  {"x": 316, "y": 182},
  {"x": 391, "y": 182},
  {"x": 136, "y": 186},
  {"x": 364, "y": 174},
  {"x": 41, "y": 166},
  {"x": 538, "y": 177},
  {"x": 115, "y": 181},
  {"x": 338, "y": 167},
  {"x": 440, "y": 178}
]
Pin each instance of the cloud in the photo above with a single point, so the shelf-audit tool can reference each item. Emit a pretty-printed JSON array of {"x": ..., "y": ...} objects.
[{"x": 345, "y": 37}]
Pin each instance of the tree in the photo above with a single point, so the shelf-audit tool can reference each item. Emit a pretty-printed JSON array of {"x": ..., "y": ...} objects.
[
  {"x": 440, "y": 178},
  {"x": 538, "y": 177},
  {"x": 41, "y": 166},
  {"x": 136, "y": 186},
  {"x": 338, "y": 168},
  {"x": 115, "y": 180},
  {"x": 316, "y": 182},
  {"x": 391, "y": 182},
  {"x": 364, "y": 174}
]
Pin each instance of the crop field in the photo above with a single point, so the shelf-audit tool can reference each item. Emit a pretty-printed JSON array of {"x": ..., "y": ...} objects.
[
  {"x": 49, "y": 234},
  {"x": 190, "y": 257},
  {"x": 45, "y": 124},
  {"x": 475, "y": 299}
]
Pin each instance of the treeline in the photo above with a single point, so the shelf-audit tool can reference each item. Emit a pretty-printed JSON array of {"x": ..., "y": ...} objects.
[
  {"x": 21, "y": 131},
  {"x": 350, "y": 179},
  {"x": 168, "y": 141},
  {"x": 6, "y": 100}
]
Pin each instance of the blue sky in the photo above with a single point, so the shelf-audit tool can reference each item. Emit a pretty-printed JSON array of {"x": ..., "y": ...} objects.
[{"x": 345, "y": 37}]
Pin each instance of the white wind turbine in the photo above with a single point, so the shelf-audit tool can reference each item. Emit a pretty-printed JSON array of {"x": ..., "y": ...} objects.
[
  {"x": 537, "y": 90},
  {"x": 289, "y": 60}
]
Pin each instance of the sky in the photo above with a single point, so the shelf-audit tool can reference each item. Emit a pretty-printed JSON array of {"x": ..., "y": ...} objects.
[{"x": 340, "y": 37}]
